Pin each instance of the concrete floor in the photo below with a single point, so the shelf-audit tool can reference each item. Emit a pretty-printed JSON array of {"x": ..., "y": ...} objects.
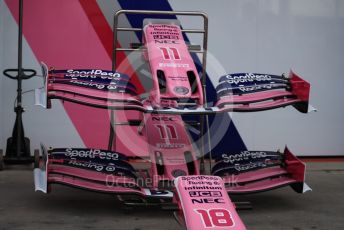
[{"x": 67, "y": 208}]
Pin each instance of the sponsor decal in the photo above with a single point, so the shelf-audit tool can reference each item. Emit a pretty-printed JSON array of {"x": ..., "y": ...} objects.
[
  {"x": 91, "y": 154},
  {"x": 253, "y": 165},
  {"x": 111, "y": 86},
  {"x": 92, "y": 166},
  {"x": 167, "y": 42},
  {"x": 169, "y": 36},
  {"x": 202, "y": 183},
  {"x": 248, "y": 77},
  {"x": 198, "y": 182},
  {"x": 165, "y": 34},
  {"x": 90, "y": 84},
  {"x": 207, "y": 201},
  {"x": 181, "y": 90},
  {"x": 255, "y": 87},
  {"x": 177, "y": 78},
  {"x": 94, "y": 73},
  {"x": 206, "y": 187},
  {"x": 162, "y": 26},
  {"x": 243, "y": 156},
  {"x": 201, "y": 177},
  {"x": 174, "y": 65},
  {"x": 173, "y": 160},
  {"x": 170, "y": 145},
  {"x": 205, "y": 194}
]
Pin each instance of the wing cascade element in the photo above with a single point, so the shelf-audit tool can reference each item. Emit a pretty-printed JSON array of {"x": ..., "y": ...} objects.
[
  {"x": 91, "y": 87},
  {"x": 247, "y": 92},
  {"x": 258, "y": 171},
  {"x": 91, "y": 169}
]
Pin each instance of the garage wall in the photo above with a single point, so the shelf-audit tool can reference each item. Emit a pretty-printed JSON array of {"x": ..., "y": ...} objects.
[
  {"x": 267, "y": 36},
  {"x": 273, "y": 36},
  {"x": 51, "y": 127}
]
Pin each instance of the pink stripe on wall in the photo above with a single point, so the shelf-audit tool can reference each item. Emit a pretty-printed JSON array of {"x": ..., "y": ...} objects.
[{"x": 61, "y": 35}]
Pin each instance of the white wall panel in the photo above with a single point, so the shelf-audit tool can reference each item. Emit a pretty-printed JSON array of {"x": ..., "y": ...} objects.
[{"x": 271, "y": 36}]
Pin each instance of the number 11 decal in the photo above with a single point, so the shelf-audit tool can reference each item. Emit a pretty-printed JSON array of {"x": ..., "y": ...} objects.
[
  {"x": 166, "y": 53},
  {"x": 218, "y": 217},
  {"x": 167, "y": 131}
]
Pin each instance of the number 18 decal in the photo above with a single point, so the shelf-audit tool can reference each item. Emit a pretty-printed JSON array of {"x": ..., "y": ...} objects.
[{"x": 217, "y": 217}]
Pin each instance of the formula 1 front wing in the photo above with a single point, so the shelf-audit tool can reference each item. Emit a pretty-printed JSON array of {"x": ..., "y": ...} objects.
[
  {"x": 112, "y": 90},
  {"x": 90, "y": 169}
]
